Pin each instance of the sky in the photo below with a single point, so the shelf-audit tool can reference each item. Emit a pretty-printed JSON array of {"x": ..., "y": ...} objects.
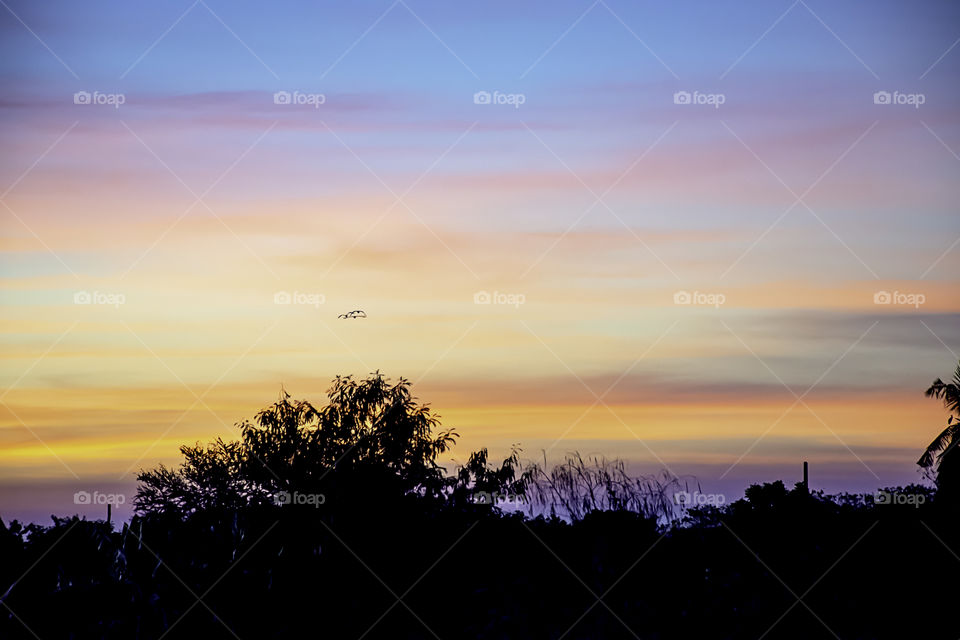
[{"x": 711, "y": 238}]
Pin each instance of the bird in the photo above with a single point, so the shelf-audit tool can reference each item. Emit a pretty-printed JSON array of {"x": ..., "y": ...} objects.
[{"x": 356, "y": 313}]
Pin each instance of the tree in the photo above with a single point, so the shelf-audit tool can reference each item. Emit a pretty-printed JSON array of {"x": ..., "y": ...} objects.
[
  {"x": 941, "y": 454},
  {"x": 478, "y": 483},
  {"x": 208, "y": 478},
  {"x": 372, "y": 438}
]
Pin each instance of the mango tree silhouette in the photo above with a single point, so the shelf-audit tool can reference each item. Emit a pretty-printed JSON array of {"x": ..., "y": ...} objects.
[
  {"x": 479, "y": 484},
  {"x": 370, "y": 434},
  {"x": 941, "y": 455},
  {"x": 208, "y": 478},
  {"x": 371, "y": 441},
  {"x": 371, "y": 444}
]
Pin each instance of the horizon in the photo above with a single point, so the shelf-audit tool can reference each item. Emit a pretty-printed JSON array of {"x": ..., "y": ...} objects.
[{"x": 717, "y": 242}]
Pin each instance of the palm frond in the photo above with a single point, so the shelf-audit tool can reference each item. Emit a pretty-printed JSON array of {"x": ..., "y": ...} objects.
[{"x": 940, "y": 443}]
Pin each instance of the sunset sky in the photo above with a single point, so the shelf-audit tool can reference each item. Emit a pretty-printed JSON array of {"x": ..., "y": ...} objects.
[{"x": 150, "y": 160}]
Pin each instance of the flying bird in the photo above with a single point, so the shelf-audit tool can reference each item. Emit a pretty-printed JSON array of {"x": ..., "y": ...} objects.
[{"x": 356, "y": 313}]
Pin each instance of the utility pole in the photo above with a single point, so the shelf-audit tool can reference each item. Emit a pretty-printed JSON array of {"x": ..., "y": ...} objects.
[
  {"x": 108, "y": 511},
  {"x": 806, "y": 480}
]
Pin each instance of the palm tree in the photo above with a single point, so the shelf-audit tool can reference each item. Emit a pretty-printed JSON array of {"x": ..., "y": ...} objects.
[{"x": 942, "y": 451}]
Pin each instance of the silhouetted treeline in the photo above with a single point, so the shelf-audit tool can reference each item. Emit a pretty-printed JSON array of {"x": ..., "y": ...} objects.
[{"x": 338, "y": 522}]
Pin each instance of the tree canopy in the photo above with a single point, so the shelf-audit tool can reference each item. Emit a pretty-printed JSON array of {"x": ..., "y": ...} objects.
[{"x": 371, "y": 442}]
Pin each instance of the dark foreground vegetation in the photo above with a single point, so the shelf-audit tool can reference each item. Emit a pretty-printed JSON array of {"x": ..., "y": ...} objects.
[{"x": 337, "y": 522}]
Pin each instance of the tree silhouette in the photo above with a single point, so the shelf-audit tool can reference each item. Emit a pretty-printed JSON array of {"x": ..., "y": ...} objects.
[
  {"x": 371, "y": 438},
  {"x": 941, "y": 454},
  {"x": 208, "y": 478},
  {"x": 477, "y": 483}
]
